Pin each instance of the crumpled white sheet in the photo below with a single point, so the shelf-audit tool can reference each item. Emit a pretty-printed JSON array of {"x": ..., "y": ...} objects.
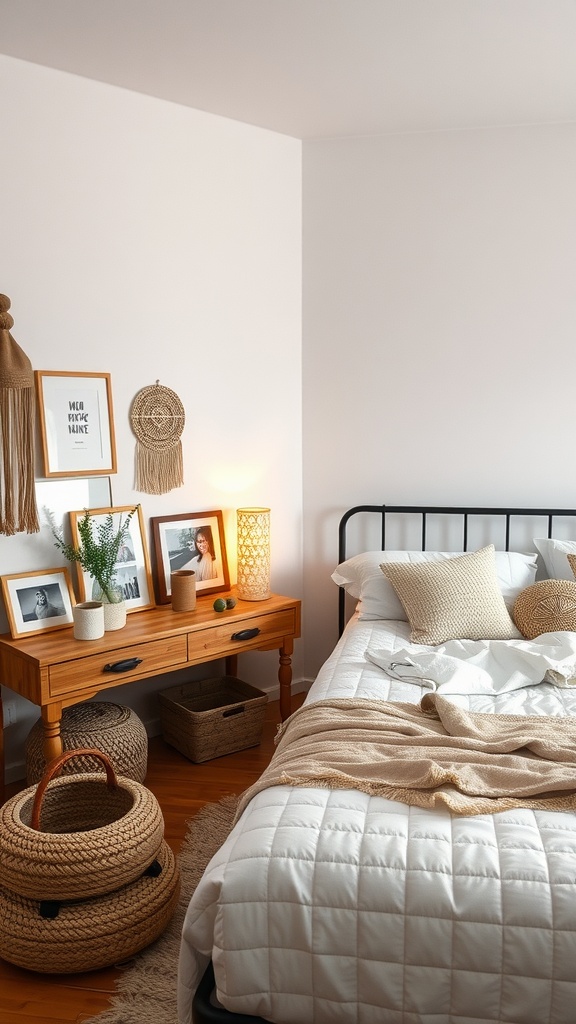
[{"x": 483, "y": 666}]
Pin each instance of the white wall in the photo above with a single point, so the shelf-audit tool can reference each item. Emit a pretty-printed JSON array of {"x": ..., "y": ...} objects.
[
  {"x": 155, "y": 241},
  {"x": 158, "y": 242},
  {"x": 439, "y": 330}
]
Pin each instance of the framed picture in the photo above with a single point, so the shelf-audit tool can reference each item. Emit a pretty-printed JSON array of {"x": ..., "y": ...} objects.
[
  {"x": 133, "y": 571},
  {"x": 193, "y": 540},
  {"x": 76, "y": 423},
  {"x": 37, "y": 602}
]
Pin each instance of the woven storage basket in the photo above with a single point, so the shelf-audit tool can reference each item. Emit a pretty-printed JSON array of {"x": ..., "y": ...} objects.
[
  {"x": 112, "y": 728},
  {"x": 89, "y": 934},
  {"x": 78, "y": 835},
  {"x": 212, "y": 717},
  {"x": 546, "y": 607}
]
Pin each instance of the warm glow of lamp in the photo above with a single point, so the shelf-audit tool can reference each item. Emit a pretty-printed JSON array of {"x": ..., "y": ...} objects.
[{"x": 253, "y": 526}]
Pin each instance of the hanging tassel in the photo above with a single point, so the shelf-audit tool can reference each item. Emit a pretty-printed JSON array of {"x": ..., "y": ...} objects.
[
  {"x": 18, "y": 511},
  {"x": 158, "y": 472}
]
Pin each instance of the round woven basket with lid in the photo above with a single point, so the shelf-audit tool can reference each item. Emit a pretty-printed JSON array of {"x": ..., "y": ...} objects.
[
  {"x": 79, "y": 835},
  {"x": 86, "y": 935},
  {"x": 111, "y": 728}
]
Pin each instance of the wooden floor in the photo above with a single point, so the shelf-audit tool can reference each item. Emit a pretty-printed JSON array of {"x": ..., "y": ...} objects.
[{"x": 181, "y": 788}]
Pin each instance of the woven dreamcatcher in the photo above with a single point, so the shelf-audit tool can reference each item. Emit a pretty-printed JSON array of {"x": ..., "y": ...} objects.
[
  {"x": 18, "y": 510},
  {"x": 157, "y": 418}
]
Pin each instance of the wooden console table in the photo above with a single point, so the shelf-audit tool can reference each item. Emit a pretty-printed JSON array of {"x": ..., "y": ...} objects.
[{"x": 54, "y": 671}]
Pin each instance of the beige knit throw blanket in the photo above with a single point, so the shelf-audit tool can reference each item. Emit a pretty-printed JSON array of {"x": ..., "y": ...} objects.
[{"x": 428, "y": 754}]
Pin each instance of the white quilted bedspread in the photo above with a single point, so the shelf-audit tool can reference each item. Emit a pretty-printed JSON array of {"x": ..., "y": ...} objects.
[{"x": 333, "y": 907}]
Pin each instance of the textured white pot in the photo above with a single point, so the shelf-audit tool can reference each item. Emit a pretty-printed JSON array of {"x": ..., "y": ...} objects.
[
  {"x": 88, "y": 620},
  {"x": 115, "y": 610},
  {"x": 114, "y": 615}
]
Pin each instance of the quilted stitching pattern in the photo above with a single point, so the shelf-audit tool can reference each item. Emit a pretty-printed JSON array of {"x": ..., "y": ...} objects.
[
  {"x": 333, "y": 907},
  {"x": 424, "y": 916}
]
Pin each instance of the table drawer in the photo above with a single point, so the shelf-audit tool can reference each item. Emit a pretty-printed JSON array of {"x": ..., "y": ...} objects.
[
  {"x": 211, "y": 643},
  {"x": 88, "y": 673}
]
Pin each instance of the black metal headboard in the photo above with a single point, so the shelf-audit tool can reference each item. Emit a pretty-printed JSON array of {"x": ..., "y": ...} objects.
[{"x": 507, "y": 515}]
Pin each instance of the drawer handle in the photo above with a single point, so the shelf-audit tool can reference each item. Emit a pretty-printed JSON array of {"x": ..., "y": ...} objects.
[
  {"x": 245, "y": 634},
  {"x": 123, "y": 666}
]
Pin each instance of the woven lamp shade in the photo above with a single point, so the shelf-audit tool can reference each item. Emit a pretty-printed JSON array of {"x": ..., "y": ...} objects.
[
  {"x": 546, "y": 607},
  {"x": 253, "y": 534}
]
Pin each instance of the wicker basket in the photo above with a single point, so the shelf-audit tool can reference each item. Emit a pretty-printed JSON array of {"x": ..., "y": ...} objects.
[
  {"x": 212, "y": 717},
  {"x": 112, "y": 728},
  {"x": 78, "y": 835},
  {"x": 89, "y": 934}
]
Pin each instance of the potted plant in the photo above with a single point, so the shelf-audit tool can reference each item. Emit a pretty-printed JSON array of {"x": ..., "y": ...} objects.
[{"x": 98, "y": 553}]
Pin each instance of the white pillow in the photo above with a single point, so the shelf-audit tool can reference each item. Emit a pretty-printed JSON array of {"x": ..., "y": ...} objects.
[
  {"x": 554, "y": 556},
  {"x": 363, "y": 579}
]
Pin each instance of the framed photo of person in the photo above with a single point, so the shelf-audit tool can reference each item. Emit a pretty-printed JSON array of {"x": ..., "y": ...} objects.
[
  {"x": 192, "y": 540},
  {"x": 133, "y": 572},
  {"x": 76, "y": 423},
  {"x": 37, "y": 602}
]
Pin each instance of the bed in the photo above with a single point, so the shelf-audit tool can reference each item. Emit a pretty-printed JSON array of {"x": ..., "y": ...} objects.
[{"x": 352, "y": 891}]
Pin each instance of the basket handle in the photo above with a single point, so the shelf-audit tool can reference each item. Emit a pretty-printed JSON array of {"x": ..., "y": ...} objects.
[{"x": 54, "y": 766}]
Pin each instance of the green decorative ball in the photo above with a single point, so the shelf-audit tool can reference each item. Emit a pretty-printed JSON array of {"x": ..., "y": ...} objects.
[
  {"x": 230, "y": 602},
  {"x": 219, "y": 605}
]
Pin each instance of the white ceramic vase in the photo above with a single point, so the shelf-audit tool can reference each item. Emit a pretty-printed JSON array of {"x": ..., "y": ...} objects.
[
  {"x": 88, "y": 620},
  {"x": 115, "y": 610}
]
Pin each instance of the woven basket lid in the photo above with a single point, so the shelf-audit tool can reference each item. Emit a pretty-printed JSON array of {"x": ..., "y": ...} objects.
[{"x": 546, "y": 607}]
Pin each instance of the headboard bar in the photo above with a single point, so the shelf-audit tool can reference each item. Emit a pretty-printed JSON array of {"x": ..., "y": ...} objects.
[{"x": 426, "y": 510}]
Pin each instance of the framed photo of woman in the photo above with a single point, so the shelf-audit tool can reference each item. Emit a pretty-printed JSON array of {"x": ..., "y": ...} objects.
[{"x": 192, "y": 540}]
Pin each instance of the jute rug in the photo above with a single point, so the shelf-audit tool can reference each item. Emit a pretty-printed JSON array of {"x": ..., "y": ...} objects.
[{"x": 146, "y": 991}]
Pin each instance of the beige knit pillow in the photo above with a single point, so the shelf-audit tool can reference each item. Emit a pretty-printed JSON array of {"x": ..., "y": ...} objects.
[{"x": 456, "y": 599}]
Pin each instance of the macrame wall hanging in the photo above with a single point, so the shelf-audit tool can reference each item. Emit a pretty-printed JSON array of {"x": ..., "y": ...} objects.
[
  {"x": 18, "y": 510},
  {"x": 157, "y": 418}
]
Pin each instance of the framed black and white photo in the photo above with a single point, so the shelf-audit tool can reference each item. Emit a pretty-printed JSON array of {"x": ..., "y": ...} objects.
[
  {"x": 37, "y": 602},
  {"x": 192, "y": 540},
  {"x": 76, "y": 423},
  {"x": 133, "y": 572}
]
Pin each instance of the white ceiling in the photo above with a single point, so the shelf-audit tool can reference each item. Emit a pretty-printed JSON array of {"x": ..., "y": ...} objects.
[{"x": 318, "y": 68}]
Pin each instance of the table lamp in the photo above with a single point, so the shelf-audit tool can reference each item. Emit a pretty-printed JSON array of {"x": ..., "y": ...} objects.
[{"x": 253, "y": 531}]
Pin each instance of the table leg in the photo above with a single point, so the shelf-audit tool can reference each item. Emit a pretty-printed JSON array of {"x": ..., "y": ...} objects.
[
  {"x": 231, "y": 661},
  {"x": 285, "y": 678},
  {"x": 51, "y": 719},
  {"x": 2, "y": 758}
]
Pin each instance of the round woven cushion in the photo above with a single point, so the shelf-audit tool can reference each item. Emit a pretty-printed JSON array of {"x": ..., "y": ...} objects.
[
  {"x": 89, "y": 934},
  {"x": 546, "y": 607},
  {"x": 112, "y": 728},
  {"x": 92, "y": 839}
]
